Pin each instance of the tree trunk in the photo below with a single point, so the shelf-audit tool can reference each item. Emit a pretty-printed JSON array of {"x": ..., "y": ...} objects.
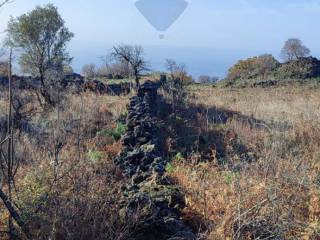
[
  {"x": 137, "y": 82},
  {"x": 46, "y": 96},
  {"x": 136, "y": 78},
  {"x": 15, "y": 215},
  {"x": 10, "y": 143},
  {"x": 43, "y": 91}
]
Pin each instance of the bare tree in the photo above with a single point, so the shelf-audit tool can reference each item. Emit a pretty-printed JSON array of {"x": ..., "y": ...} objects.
[
  {"x": 174, "y": 87},
  {"x": 205, "y": 79},
  {"x": 134, "y": 56},
  {"x": 114, "y": 68},
  {"x": 294, "y": 49},
  {"x": 178, "y": 71},
  {"x": 106, "y": 60},
  {"x": 89, "y": 70}
]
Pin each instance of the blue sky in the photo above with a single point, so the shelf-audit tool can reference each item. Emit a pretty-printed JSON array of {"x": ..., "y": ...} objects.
[{"x": 210, "y": 35}]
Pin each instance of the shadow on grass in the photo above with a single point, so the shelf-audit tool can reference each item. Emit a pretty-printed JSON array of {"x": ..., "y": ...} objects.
[{"x": 200, "y": 131}]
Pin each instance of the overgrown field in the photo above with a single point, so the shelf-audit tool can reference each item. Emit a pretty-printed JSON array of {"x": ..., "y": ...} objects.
[
  {"x": 66, "y": 185},
  {"x": 247, "y": 159},
  {"x": 252, "y": 169}
]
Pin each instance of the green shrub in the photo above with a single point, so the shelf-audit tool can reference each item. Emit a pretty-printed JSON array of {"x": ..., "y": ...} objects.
[
  {"x": 170, "y": 168},
  {"x": 33, "y": 193},
  {"x": 178, "y": 157},
  {"x": 229, "y": 177},
  {"x": 123, "y": 115},
  {"x": 254, "y": 67},
  {"x": 115, "y": 133},
  {"x": 94, "y": 156}
]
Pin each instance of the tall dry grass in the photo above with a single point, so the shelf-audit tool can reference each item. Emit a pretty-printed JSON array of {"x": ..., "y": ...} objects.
[
  {"x": 67, "y": 186},
  {"x": 274, "y": 194}
]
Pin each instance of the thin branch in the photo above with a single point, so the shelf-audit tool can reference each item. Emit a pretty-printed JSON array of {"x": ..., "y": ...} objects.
[
  {"x": 4, "y": 2},
  {"x": 3, "y": 141}
]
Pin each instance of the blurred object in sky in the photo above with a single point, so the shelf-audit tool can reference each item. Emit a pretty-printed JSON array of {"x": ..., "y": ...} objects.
[{"x": 161, "y": 14}]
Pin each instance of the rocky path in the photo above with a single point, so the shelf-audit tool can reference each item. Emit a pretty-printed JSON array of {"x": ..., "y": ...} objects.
[{"x": 149, "y": 191}]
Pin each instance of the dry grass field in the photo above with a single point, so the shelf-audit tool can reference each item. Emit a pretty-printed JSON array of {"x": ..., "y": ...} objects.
[
  {"x": 248, "y": 160},
  {"x": 134, "y": 147},
  {"x": 261, "y": 179},
  {"x": 65, "y": 173}
]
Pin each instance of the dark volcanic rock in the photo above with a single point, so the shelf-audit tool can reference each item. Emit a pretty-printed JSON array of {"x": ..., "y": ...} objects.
[
  {"x": 302, "y": 68},
  {"x": 149, "y": 190},
  {"x": 72, "y": 82}
]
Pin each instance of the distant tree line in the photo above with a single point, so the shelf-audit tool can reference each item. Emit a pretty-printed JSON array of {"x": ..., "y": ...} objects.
[
  {"x": 128, "y": 61},
  {"x": 124, "y": 61},
  {"x": 110, "y": 69},
  {"x": 205, "y": 79}
]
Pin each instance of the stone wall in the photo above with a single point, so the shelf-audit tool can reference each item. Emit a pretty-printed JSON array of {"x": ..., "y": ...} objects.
[
  {"x": 110, "y": 89},
  {"x": 73, "y": 83},
  {"x": 142, "y": 160}
]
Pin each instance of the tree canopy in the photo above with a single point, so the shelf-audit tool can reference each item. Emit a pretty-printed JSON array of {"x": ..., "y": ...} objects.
[
  {"x": 134, "y": 56},
  {"x": 294, "y": 49},
  {"x": 42, "y": 36}
]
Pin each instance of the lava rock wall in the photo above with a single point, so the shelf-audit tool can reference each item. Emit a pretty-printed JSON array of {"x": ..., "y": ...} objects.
[{"x": 142, "y": 160}]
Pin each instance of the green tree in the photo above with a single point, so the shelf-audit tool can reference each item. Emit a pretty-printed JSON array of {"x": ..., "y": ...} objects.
[{"x": 42, "y": 36}]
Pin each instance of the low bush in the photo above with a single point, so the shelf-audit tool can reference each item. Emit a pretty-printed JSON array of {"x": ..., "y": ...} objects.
[
  {"x": 94, "y": 156},
  {"x": 115, "y": 133}
]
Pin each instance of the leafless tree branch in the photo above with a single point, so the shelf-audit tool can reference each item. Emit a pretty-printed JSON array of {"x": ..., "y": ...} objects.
[
  {"x": 134, "y": 56},
  {"x": 4, "y": 2}
]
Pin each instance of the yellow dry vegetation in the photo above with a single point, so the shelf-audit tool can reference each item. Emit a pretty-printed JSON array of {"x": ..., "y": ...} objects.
[{"x": 276, "y": 194}]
